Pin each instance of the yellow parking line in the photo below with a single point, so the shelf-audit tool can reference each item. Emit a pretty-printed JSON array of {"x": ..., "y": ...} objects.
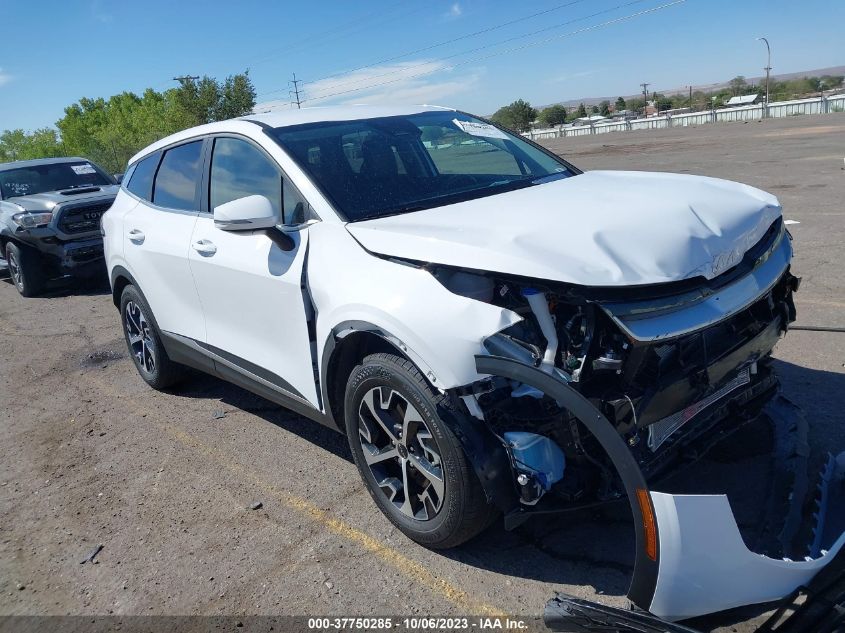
[{"x": 406, "y": 566}]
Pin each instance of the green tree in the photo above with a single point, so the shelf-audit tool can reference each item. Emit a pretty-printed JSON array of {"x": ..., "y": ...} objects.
[
  {"x": 237, "y": 97},
  {"x": 620, "y": 104},
  {"x": 517, "y": 116},
  {"x": 636, "y": 105},
  {"x": 582, "y": 111},
  {"x": 604, "y": 108},
  {"x": 553, "y": 115}
]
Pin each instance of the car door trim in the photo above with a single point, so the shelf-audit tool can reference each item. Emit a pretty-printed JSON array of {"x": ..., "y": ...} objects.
[{"x": 242, "y": 373}]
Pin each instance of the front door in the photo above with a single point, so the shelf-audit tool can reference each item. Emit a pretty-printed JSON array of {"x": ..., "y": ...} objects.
[{"x": 250, "y": 288}]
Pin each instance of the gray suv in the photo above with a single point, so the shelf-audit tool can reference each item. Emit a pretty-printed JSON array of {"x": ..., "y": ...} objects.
[{"x": 50, "y": 212}]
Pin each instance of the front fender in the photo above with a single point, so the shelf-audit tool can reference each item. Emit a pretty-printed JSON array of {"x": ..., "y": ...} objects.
[{"x": 440, "y": 331}]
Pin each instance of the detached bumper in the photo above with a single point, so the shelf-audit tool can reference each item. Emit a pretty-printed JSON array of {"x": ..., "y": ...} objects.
[
  {"x": 705, "y": 567},
  {"x": 690, "y": 558}
]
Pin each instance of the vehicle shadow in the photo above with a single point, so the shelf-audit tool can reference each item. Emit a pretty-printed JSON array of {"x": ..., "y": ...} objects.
[
  {"x": 208, "y": 387},
  {"x": 67, "y": 287}
]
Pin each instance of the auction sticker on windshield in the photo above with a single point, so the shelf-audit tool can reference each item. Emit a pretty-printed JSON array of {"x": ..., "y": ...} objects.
[
  {"x": 480, "y": 129},
  {"x": 85, "y": 168}
]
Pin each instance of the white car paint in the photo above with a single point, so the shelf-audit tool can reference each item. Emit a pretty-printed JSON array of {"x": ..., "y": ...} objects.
[
  {"x": 601, "y": 228},
  {"x": 156, "y": 249},
  {"x": 402, "y": 301},
  {"x": 706, "y": 567},
  {"x": 252, "y": 301}
]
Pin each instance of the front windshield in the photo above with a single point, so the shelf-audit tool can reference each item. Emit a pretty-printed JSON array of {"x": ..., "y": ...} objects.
[
  {"x": 26, "y": 181},
  {"x": 372, "y": 168}
]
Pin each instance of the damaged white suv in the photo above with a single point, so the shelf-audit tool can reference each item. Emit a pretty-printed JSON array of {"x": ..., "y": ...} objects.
[{"x": 494, "y": 331}]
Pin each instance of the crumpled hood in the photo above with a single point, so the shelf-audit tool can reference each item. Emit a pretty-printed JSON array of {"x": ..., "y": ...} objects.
[
  {"x": 49, "y": 199},
  {"x": 601, "y": 228}
]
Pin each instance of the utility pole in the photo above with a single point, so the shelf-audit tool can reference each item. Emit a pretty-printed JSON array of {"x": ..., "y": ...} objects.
[
  {"x": 645, "y": 97},
  {"x": 294, "y": 92},
  {"x": 768, "y": 69},
  {"x": 186, "y": 78},
  {"x": 690, "y": 98}
]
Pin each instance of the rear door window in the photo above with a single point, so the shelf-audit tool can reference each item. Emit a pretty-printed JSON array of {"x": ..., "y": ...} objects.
[
  {"x": 176, "y": 182},
  {"x": 141, "y": 181}
]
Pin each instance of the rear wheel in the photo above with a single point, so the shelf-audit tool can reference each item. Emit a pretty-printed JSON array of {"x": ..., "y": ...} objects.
[
  {"x": 144, "y": 341},
  {"x": 411, "y": 462},
  {"x": 25, "y": 269}
]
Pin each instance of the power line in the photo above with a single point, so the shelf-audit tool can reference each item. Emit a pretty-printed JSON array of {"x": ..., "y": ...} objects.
[
  {"x": 481, "y": 48},
  {"x": 510, "y": 50},
  {"x": 486, "y": 46},
  {"x": 315, "y": 38},
  {"x": 361, "y": 23},
  {"x": 445, "y": 42}
]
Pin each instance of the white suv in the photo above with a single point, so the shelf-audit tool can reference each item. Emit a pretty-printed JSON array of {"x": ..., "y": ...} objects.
[{"x": 494, "y": 331}]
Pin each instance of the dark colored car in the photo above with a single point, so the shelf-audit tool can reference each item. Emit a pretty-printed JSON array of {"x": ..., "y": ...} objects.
[{"x": 50, "y": 212}]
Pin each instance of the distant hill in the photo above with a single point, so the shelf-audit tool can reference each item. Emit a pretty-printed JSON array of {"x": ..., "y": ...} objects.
[{"x": 589, "y": 101}]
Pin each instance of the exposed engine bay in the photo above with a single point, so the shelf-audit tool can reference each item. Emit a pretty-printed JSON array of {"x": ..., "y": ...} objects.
[{"x": 665, "y": 396}]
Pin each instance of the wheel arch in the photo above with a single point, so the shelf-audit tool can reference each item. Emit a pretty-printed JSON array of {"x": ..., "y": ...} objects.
[
  {"x": 348, "y": 344},
  {"x": 120, "y": 278},
  {"x": 352, "y": 341}
]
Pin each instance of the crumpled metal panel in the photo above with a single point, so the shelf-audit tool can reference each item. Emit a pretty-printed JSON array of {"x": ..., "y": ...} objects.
[{"x": 600, "y": 228}]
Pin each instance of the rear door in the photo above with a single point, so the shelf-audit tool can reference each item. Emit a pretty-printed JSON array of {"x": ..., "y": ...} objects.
[
  {"x": 157, "y": 235},
  {"x": 252, "y": 290}
]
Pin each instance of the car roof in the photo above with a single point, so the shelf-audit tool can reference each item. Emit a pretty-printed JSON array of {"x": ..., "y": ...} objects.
[
  {"x": 287, "y": 117},
  {"x": 17, "y": 164},
  {"x": 282, "y": 118}
]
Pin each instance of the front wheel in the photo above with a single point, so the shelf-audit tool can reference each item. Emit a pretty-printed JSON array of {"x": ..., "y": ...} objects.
[
  {"x": 25, "y": 269},
  {"x": 411, "y": 462}
]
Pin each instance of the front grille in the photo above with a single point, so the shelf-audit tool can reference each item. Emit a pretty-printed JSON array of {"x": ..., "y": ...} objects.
[{"x": 83, "y": 218}]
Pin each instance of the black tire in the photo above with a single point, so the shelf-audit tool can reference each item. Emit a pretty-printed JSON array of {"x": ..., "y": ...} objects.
[
  {"x": 25, "y": 269},
  {"x": 463, "y": 511},
  {"x": 150, "y": 357}
]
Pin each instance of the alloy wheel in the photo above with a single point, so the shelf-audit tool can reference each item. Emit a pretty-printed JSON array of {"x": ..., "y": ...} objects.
[
  {"x": 401, "y": 453},
  {"x": 140, "y": 338},
  {"x": 15, "y": 271}
]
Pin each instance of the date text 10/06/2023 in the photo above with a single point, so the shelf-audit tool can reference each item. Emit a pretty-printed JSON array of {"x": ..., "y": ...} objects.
[{"x": 416, "y": 623}]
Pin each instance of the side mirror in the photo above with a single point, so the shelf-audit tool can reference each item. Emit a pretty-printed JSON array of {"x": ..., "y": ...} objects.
[
  {"x": 246, "y": 214},
  {"x": 118, "y": 178}
]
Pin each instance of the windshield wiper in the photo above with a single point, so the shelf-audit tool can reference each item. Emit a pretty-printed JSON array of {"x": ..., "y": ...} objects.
[
  {"x": 514, "y": 183},
  {"x": 388, "y": 212}
]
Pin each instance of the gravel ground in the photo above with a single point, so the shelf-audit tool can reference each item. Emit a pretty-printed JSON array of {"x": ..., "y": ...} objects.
[{"x": 90, "y": 456}]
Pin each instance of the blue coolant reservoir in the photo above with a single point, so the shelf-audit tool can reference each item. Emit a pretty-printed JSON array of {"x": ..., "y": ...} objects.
[{"x": 539, "y": 455}]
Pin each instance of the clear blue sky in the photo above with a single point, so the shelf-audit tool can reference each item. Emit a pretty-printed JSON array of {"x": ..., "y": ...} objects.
[{"x": 54, "y": 52}]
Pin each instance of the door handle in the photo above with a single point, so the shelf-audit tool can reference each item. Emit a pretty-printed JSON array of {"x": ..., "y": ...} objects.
[
  {"x": 136, "y": 236},
  {"x": 204, "y": 247}
]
